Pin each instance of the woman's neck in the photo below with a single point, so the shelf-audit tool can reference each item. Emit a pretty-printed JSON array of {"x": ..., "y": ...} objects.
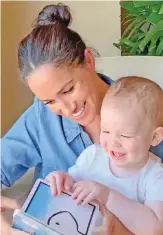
[
  {"x": 101, "y": 88},
  {"x": 93, "y": 128}
]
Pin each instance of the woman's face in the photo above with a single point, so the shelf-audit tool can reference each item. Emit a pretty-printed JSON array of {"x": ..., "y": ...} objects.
[{"x": 70, "y": 92}]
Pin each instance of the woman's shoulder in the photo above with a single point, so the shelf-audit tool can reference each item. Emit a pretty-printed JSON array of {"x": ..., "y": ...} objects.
[
  {"x": 158, "y": 150},
  {"x": 106, "y": 78}
]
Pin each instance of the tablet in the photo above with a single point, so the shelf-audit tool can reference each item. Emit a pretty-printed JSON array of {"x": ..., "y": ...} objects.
[{"x": 60, "y": 212}]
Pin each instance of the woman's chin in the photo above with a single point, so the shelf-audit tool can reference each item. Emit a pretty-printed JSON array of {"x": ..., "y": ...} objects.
[{"x": 85, "y": 122}]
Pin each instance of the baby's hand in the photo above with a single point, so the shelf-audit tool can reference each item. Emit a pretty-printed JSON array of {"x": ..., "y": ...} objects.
[
  {"x": 59, "y": 181},
  {"x": 87, "y": 191}
]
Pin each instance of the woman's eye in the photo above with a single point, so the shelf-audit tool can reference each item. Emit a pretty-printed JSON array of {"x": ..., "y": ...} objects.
[
  {"x": 71, "y": 89},
  {"x": 50, "y": 102}
]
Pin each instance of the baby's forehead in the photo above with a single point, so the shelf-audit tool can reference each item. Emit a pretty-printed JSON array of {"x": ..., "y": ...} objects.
[
  {"x": 123, "y": 104},
  {"x": 123, "y": 115}
]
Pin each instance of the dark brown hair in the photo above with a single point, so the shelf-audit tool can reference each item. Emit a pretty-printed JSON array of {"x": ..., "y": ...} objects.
[{"x": 51, "y": 42}]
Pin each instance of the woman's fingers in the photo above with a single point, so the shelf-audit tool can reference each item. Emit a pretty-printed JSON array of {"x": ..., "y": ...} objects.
[
  {"x": 9, "y": 203},
  {"x": 16, "y": 232},
  {"x": 6, "y": 227},
  {"x": 103, "y": 210}
]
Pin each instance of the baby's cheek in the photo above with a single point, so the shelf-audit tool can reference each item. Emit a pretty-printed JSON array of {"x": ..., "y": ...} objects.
[
  {"x": 104, "y": 145},
  {"x": 132, "y": 146}
]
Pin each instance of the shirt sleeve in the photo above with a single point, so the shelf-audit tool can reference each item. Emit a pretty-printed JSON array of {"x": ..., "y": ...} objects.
[
  {"x": 20, "y": 146},
  {"x": 154, "y": 187},
  {"x": 84, "y": 162}
]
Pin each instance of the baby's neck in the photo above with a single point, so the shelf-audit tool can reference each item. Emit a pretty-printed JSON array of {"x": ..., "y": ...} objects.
[{"x": 125, "y": 172}]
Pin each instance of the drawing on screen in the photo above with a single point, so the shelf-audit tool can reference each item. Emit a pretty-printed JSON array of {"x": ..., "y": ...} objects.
[
  {"x": 60, "y": 213},
  {"x": 60, "y": 217}
]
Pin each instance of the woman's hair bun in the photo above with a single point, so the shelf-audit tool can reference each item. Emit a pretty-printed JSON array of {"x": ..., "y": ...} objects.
[{"x": 54, "y": 13}]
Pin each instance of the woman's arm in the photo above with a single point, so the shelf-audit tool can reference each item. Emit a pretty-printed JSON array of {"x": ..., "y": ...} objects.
[
  {"x": 111, "y": 225},
  {"x": 20, "y": 147},
  {"x": 6, "y": 229},
  {"x": 138, "y": 218}
]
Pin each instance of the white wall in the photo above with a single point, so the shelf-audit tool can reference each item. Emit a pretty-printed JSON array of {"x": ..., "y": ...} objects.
[{"x": 97, "y": 21}]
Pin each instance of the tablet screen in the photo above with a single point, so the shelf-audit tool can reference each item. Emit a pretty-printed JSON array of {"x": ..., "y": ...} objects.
[{"x": 60, "y": 212}]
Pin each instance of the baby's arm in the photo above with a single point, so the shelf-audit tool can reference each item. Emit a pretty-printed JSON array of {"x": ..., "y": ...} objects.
[
  {"x": 144, "y": 218},
  {"x": 138, "y": 218},
  {"x": 63, "y": 181}
]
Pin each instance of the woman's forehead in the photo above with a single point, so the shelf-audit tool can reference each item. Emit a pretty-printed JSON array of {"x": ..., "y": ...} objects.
[{"x": 46, "y": 80}]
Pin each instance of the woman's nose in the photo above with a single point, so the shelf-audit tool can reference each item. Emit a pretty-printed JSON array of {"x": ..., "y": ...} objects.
[{"x": 67, "y": 108}]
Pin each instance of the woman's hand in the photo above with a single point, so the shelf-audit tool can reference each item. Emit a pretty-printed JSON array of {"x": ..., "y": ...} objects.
[
  {"x": 111, "y": 225},
  {"x": 59, "y": 181},
  {"x": 8, "y": 203},
  {"x": 108, "y": 223},
  {"x": 86, "y": 191}
]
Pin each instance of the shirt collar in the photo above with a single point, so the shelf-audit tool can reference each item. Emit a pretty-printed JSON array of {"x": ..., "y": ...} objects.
[{"x": 71, "y": 129}]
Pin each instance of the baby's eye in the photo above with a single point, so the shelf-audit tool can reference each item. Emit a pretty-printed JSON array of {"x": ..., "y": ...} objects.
[
  {"x": 68, "y": 91},
  {"x": 106, "y": 132},
  {"x": 125, "y": 136}
]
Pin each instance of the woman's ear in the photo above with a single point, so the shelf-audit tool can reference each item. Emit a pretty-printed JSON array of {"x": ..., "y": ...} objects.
[
  {"x": 89, "y": 59},
  {"x": 157, "y": 136}
]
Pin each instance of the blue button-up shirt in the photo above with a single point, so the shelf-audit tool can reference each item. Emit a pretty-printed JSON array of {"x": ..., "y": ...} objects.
[{"x": 43, "y": 140}]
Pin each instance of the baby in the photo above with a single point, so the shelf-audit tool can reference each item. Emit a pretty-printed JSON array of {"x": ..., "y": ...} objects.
[{"x": 122, "y": 173}]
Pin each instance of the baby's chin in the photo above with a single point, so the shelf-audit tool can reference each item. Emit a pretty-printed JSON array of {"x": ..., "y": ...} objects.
[{"x": 120, "y": 164}]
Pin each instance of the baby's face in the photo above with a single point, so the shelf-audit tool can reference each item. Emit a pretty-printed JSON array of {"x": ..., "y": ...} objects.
[{"x": 125, "y": 135}]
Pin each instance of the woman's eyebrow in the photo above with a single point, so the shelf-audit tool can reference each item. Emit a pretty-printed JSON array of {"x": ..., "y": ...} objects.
[{"x": 47, "y": 100}]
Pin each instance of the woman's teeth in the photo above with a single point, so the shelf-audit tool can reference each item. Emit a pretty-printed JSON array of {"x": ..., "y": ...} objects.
[{"x": 80, "y": 112}]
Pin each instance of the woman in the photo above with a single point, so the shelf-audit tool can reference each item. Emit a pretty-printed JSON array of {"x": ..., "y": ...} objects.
[{"x": 64, "y": 119}]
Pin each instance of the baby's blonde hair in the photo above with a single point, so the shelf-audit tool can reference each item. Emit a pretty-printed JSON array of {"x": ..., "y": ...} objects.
[{"x": 146, "y": 93}]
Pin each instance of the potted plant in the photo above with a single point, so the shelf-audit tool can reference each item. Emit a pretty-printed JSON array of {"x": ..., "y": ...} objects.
[{"x": 144, "y": 28}]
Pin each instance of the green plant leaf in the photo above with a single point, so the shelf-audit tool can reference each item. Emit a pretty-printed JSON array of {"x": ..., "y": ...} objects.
[
  {"x": 152, "y": 47},
  {"x": 131, "y": 25},
  {"x": 128, "y": 20},
  {"x": 134, "y": 38},
  {"x": 161, "y": 9},
  {"x": 144, "y": 32},
  {"x": 158, "y": 27},
  {"x": 116, "y": 45},
  {"x": 145, "y": 3},
  {"x": 155, "y": 8},
  {"x": 152, "y": 53},
  {"x": 160, "y": 47},
  {"x": 140, "y": 36},
  {"x": 129, "y": 5},
  {"x": 154, "y": 18},
  {"x": 133, "y": 31},
  {"x": 134, "y": 49},
  {"x": 127, "y": 42}
]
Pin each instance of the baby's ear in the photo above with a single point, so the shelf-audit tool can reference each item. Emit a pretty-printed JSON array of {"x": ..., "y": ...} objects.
[{"x": 157, "y": 136}]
